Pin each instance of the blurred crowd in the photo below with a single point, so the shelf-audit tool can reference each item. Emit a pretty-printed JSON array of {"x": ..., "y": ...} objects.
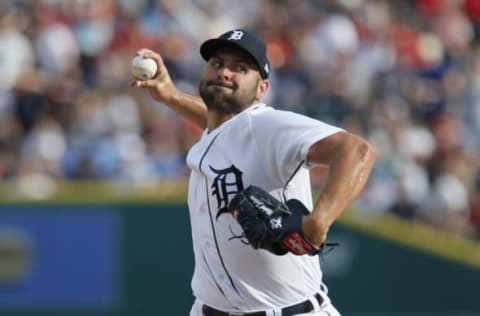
[{"x": 404, "y": 74}]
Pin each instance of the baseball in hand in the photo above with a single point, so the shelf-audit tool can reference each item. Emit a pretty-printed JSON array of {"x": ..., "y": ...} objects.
[{"x": 143, "y": 68}]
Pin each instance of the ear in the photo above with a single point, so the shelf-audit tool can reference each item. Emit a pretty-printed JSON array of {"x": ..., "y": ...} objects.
[{"x": 262, "y": 89}]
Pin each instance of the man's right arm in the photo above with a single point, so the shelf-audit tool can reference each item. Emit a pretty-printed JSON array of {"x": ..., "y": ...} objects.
[{"x": 162, "y": 89}]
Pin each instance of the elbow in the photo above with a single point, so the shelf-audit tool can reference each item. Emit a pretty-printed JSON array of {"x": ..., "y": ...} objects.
[
  {"x": 360, "y": 151},
  {"x": 365, "y": 157},
  {"x": 355, "y": 146},
  {"x": 341, "y": 146},
  {"x": 365, "y": 151}
]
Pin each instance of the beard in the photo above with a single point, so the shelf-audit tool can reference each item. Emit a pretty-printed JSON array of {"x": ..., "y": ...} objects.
[{"x": 225, "y": 98}]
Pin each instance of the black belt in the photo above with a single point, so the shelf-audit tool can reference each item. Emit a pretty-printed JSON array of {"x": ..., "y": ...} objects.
[{"x": 303, "y": 307}]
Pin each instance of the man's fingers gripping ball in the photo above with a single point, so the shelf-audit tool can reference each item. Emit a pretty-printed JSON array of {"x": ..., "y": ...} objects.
[{"x": 143, "y": 68}]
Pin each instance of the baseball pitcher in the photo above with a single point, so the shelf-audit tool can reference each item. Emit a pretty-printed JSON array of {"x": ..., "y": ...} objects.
[{"x": 255, "y": 229}]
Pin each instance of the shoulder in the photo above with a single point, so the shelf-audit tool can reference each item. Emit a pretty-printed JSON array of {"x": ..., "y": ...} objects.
[
  {"x": 268, "y": 117},
  {"x": 265, "y": 112}
]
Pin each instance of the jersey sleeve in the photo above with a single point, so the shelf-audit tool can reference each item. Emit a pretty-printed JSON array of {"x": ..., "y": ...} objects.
[{"x": 284, "y": 137}]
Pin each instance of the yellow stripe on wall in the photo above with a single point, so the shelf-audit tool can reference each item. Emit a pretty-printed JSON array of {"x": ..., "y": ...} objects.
[
  {"x": 102, "y": 192},
  {"x": 415, "y": 235}
]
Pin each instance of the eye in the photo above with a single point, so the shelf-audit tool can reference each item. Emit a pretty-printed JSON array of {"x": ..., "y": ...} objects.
[
  {"x": 239, "y": 68},
  {"x": 215, "y": 63}
]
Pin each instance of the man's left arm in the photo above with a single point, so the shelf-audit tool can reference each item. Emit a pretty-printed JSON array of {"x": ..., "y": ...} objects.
[{"x": 350, "y": 159}]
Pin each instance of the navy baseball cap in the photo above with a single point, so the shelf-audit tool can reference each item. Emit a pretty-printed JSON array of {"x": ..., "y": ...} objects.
[{"x": 245, "y": 41}]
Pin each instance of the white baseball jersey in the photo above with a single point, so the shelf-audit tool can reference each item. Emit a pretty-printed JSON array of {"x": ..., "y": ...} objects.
[{"x": 264, "y": 147}]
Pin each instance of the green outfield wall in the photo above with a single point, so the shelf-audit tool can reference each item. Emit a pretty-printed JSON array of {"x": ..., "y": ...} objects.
[{"x": 121, "y": 258}]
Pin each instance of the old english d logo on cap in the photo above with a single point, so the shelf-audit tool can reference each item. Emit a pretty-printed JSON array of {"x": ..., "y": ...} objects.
[
  {"x": 243, "y": 40},
  {"x": 235, "y": 35}
]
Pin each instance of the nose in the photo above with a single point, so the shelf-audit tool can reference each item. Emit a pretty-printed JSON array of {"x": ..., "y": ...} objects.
[{"x": 225, "y": 73}]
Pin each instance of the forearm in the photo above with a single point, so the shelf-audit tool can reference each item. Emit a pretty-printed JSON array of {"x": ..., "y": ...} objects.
[
  {"x": 348, "y": 174},
  {"x": 190, "y": 107}
]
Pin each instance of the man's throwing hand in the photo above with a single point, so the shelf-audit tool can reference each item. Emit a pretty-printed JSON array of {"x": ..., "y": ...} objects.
[{"x": 160, "y": 85}]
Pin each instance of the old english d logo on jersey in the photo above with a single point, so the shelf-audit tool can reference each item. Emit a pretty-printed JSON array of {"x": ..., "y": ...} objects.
[{"x": 227, "y": 182}]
